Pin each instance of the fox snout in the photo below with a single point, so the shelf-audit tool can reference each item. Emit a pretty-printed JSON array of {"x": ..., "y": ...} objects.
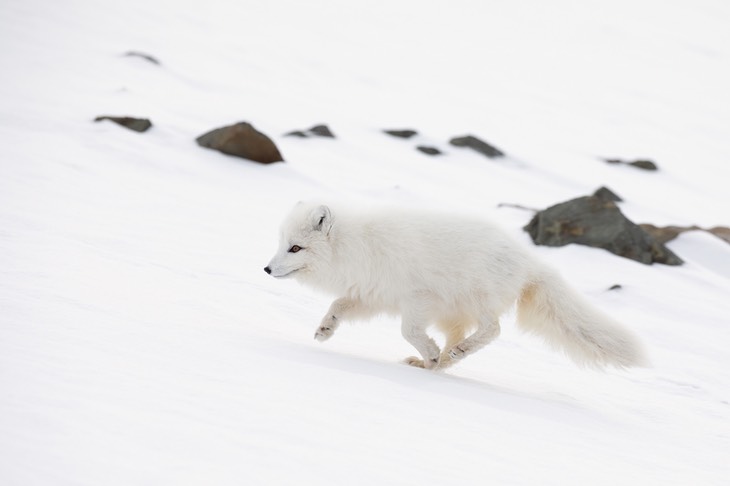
[{"x": 280, "y": 271}]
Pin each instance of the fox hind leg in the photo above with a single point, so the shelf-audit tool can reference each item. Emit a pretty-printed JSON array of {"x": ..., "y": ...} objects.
[
  {"x": 455, "y": 331},
  {"x": 487, "y": 331}
]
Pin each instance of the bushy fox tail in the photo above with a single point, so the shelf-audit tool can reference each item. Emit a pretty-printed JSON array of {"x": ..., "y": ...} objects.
[{"x": 550, "y": 308}]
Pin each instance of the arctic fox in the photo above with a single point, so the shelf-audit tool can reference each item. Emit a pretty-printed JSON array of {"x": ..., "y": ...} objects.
[{"x": 457, "y": 273}]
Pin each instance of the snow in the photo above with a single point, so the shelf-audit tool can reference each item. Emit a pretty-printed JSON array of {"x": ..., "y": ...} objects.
[{"x": 141, "y": 342}]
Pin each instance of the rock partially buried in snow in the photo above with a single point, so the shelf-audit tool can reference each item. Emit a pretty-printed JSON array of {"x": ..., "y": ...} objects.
[
  {"x": 316, "y": 130},
  {"x": 595, "y": 222},
  {"x": 296, "y": 133},
  {"x": 644, "y": 164},
  {"x": 322, "y": 131},
  {"x": 428, "y": 150},
  {"x": 242, "y": 140},
  {"x": 477, "y": 144},
  {"x": 136, "y": 124},
  {"x": 639, "y": 163},
  {"x": 407, "y": 133}
]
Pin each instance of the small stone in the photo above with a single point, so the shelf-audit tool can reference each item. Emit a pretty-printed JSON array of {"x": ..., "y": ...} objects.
[
  {"x": 401, "y": 133},
  {"x": 644, "y": 164},
  {"x": 135, "y": 124},
  {"x": 296, "y": 133},
  {"x": 316, "y": 130},
  {"x": 429, "y": 150},
  {"x": 477, "y": 144},
  {"x": 322, "y": 131},
  {"x": 639, "y": 163}
]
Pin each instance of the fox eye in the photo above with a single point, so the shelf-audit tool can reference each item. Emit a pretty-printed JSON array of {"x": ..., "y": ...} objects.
[{"x": 295, "y": 249}]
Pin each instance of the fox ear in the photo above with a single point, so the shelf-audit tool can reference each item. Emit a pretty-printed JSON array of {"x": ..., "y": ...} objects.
[{"x": 322, "y": 219}]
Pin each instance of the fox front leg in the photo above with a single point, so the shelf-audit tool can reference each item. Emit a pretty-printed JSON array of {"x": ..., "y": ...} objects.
[
  {"x": 340, "y": 309},
  {"x": 327, "y": 328}
]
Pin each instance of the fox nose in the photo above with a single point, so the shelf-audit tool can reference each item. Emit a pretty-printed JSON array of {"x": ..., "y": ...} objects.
[{"x": 267, "y": 270}]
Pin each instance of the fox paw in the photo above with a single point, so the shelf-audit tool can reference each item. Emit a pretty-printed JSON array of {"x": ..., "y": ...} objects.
[
  {"x": 326, "y": 330},
  {"x": 324, "y": 333},
  {"x": 419, "y": 363},
  {"x": 457, "y": 352}
]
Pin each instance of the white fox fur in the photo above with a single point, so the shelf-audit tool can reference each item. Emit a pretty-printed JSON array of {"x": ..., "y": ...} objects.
[{"x": 458, "y": 273}]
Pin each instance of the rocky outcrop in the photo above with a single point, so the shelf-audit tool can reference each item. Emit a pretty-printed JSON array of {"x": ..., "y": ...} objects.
[
  {"x": 595, "y": 222},
  {"x": 242, "y": 140},
  {"x": 477, "y": 144},
  {"x": 135, "y": 124}
]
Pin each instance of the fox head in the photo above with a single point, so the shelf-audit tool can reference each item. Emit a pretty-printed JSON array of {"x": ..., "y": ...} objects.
[{"x": 304, "y": 242}]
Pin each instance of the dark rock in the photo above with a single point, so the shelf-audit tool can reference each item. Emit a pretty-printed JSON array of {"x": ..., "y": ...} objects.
[
  {"x": 136, "y": 124},
  {"x": 401, "y": 133},
  {"x": 322, "y": 131},
  {"x": 242, "y": 140},
  {"x": 615, "y": 287},
  {"x": 476, "y": 144},
  {"x": 639, "y": 163},
  {"x": 644, "y": 164},
  {"x": 605, "y": 194},
  {"x": 316, "y": 130},
  {"x": 429, "y": 150},
  {"x": 594, "y": 222},
  {"x": 296, "y": 133},
  {"x": 144, "y": 56}
]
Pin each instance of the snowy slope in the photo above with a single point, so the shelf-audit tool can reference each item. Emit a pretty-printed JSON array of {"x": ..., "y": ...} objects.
[{"x": 141, "y": 342}]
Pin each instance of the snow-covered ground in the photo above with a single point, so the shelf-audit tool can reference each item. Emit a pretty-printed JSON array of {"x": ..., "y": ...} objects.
[{"x": 141, "y": 342}]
